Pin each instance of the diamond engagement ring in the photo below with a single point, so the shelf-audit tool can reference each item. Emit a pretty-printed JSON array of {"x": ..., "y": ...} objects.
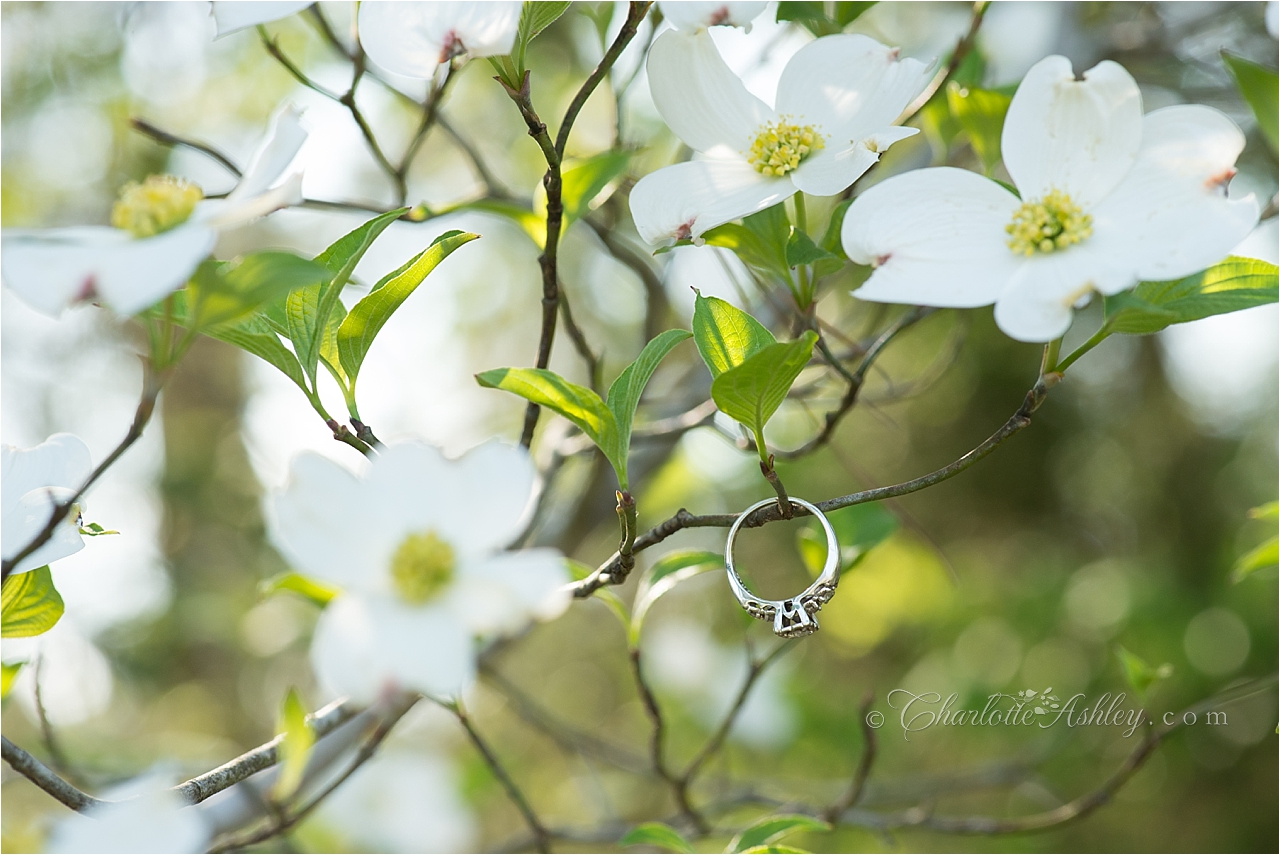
[{"x": 796, "y": 616}]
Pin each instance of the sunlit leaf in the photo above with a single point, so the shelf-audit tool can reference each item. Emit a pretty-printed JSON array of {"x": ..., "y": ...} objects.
[
  {"x": 1261, "y": 90},
  {"x": 768, "y": 830},
  {"x": 29, "y": 604},
  {"x": 307, "y": 588},
  {"x": 232, "y": 290},
  {"x": 656, "y": 834},
  {"x": 725, "y": 335},
  {"x": 581, "y": 184},
  {"x": 93, "y": 529},
  {"x": 802, "y": 250},
  {"x": 365, "y": 320},
  {"x": 669, "y": 570},
  {"x": 8, "y": 676},
  {"x": 534, "y": 18},
  {"x": 1262, "y": 556},
  {"x": 980, "y": 114},
  {"x": 1229, "y": 286},
  {"x": 624, "y": 394},
  {"x": 859, "y": 529},
  {"x": 1137, "y": 673},
  {"x": 294, "y": 748},
  {"x": 1269, "y": 512},
  {"x": 752, "y": 392},
  {"x": 821, "y": 19},
  {"x": 256, "y": 335}
]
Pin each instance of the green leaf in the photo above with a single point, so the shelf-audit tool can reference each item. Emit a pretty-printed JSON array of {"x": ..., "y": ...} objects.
[
  {"x": 1261, "y": 90},
  {"x": 725, "y": 335},
  {"x": 802, "y": 250},
  {"x": 752, "y": 392},
  {"x": 534, "y": 18},
  {"x": 307, "y": 310},
  {"x": 230, "y": 291},
  {"x": 1229, "y": 286},
  {"x": 656, "y": 834},
  {"x": 8, "y": 675},
  {"x": 294, "y": 748},
  {"x": 1138, "y": 673},
  {"x": 576, "y": 403},
  {"x": 29, "y": 604},
  {"x": 768, "y": 830},
  {"x": 357, "y": 331},
  {"x": 257, "y": 335},
  {"x": 582, "y": 183},
  {"x": 776, "y": 849},
  {"x": 670, "y": 570},
  {"x": 534, "y": 226},
  {"x": 1262, "y": 556},
  {"x": 813, "y": 15},
  {"x": 308, "y": 588},
  {"x": 95, "y": 530},
  {"x": 748, "y": 246},
  {"x": 624, "y": 394},
  {"x": 1269, "y": 512},
  {"x": 831, "y": 237},
  {"x": 980, "y": 114},
  {"x": 859, "y": 529},
  {"x": 772, "y": 228}
]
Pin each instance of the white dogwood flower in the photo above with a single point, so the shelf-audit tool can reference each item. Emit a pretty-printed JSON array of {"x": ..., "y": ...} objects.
[
  {"x": 140, "y": 816},
  {"x": 32, "y": 481},
  {"x": 161, "y": 230},
  {"x": 694, "y": 15},
  {"x": 415, "y": 545},
  {"x": 231, "y": 16},
  {"x": 836, "y": 103},
  {"x": 415, "y": 38},
  {"x": 1109, "y": 197}
]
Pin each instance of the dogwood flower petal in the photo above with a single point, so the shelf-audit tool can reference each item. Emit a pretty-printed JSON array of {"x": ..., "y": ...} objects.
[
  {"x": 1040, "y": 298},
  {"x": 695, "y": 15},
  {"x": 414, "y": 38},
  {"x": 31, "y": 481},
  {"x": 1076, "y": 136},
  {"x": 332, "y": 527},
  {"x": 284, "y": 137},
  {"x": 936, "y": 237},
  {"x": 686, "y": 199},
  {"x": 231, "y": 17},
  {"x": 700, "y": 98},
  {"x": 141, "y": 816},
  {"x": 505, "y": 592},
  {"x": 366, "y": 645},
  {"x": 848, "y": 86},
  {"x": 828, "y": 172},
  {"x": 1170, "y": 216}
]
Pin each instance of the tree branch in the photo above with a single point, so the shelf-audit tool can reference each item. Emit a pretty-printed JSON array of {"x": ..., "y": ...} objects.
[
  {"x": 679, "y": 787},
  {"x": 44, "y": 778},
  {"x": 858, "y": 786}
]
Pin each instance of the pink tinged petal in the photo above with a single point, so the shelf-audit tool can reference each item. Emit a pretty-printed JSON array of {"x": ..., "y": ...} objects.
[
  {"x": 703, "y": 102},
  {"x": 233, "y": 16},
  {"x": 694, "y": 15},
  {"x": 330, "y": 525},
  {"x": 848, "y": 86},
  {"x": 829, "y": 171},
  {"x": 1077, "y": 136},
  {"x": 936, "y": 237},
  {"x": 285, "y": 136},
  {"x": 1171, "y": 217},
  {"x": 366, "y": 647},
  {"x": 684, "y": 200},
  {"x": 413, "y": 38},
  {"x": 504, "y": 593},
  {"x": 55, "y": 268}
]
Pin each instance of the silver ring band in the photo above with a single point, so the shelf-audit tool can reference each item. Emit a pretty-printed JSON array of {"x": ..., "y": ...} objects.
[{"x": 795, "y": 616}]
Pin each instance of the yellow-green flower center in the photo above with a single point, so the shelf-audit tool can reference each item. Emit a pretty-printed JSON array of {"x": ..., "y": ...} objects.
[
  {"x": 156, "y": 205},
  {"x": 422, "y": 567},
  {"x": 780, "y": 146},
  {"x": 1054, "y": 222}
]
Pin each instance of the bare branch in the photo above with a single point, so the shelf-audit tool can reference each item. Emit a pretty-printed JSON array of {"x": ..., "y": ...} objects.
[
  {"x": 44, "y": 778},
  {"x": 165, "y": 138},
  {"x": 859, "y": 784}
]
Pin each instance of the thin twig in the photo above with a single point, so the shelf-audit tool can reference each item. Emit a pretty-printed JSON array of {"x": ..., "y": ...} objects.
[
  {"x": 858, "y": 786},
  {"x": 165, "y": 138},
  {"x": 679, "y": 787},
  {"x": 604, "y": 574},
  {"x": 44, "y": 778},
  {"x": 580, "y": 344},
  {"x": 963, "y": 47}
]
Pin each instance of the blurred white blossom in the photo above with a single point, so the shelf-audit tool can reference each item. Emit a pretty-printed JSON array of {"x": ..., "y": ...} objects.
[
  {"x": 32, "y": 481},
  {"x": 141, "y": 816},
  {"x": 416, "y": 38}
]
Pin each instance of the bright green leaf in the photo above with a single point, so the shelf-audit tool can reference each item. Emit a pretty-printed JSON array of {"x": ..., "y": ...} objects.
[
  {"x": 534, "y": 18},
  {"x": 29, "y": 604},
  {"x": 8, "y": 675},
  {"x": 1138, "y": 673},
  {"x": 768, "y": 830},
  {"x": 294, "y": 748},
  {"x": 367, "y": 317},
  {"x": 576, "y": 403},
  {"x": 725, "y": 335},
  {"x": 581, "y": 184},
  {"x": 308, "y": 588},
  {"x": 980, "y": 114},
  {"x": 624, "y": 394},
  {"x": 256, "y": 335},
  {"x": 1262, "y": 556},
  {"x": 812, "y": 15},
  {"x": 747, "y": 245},
  {"x": 859, "y": 529},
  {"x": 95, "y": 530},
  {"x": 255, "y": 280},
  {"x": 752, "y": 392},
  {"x": 773, "y": 230},
  {"x": 1229, "y": 286},
  {"x": 1269, "y": 512},
  {"x": 656, "y": 834},
  {"x": 307, "y": 310},
  {"x": 1261, "y": 89},
  {"x": 670, "y": 570},
  {"x": 534, "y": 226}
]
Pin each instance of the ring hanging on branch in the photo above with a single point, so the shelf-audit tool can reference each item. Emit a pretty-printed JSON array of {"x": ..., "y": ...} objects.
[{"x": 796, "y": 616}]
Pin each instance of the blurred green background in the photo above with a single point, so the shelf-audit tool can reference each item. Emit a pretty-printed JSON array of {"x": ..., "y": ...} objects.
[{"x": 1115, "y": 519}]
